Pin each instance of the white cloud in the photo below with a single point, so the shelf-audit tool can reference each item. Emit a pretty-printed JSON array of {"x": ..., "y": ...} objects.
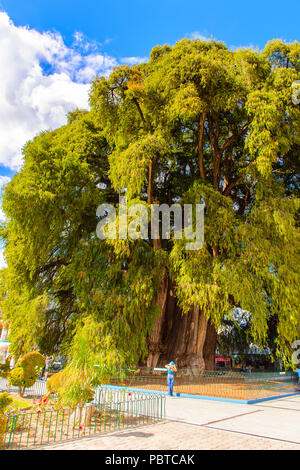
[
  {"x": 250, "y": 46},
  {"x": 41, "y": 80},
  {"x": 4, "y": 180},
  {"x": 95, "y": 62},
  {"x": 134, "y": 60},
  {"x": 198, "y": 35}
]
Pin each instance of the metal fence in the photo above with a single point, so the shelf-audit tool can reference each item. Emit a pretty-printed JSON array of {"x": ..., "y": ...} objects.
[
  {"x": 39, "y": 389},
  {"x": 225, "y": 383},
  {"x": 222, "y": 383},
  {"x": 111, "y": 410}
]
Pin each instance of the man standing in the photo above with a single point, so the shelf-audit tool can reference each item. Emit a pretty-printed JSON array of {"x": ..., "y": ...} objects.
[
  {"x": 49, "y": 360},
  {"x": 171, "y": 377}
]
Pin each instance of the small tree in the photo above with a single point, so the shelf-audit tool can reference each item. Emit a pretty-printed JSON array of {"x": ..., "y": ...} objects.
[
  {"x": 90, "y": 365},
  {"x": 26, "y": 371}
]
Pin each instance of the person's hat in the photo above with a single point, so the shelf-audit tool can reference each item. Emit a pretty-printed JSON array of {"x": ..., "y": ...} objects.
[{"x": 172, "y": 363}]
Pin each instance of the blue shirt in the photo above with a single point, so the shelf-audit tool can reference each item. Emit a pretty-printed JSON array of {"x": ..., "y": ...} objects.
[
  {"x": 170, "y": 372},
  {"x": 298, "y": 372}
]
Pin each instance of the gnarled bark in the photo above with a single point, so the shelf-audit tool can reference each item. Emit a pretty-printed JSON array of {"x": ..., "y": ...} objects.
[
  {"x": 155, "y": 346},
  {"x": 188, "y": 339}
]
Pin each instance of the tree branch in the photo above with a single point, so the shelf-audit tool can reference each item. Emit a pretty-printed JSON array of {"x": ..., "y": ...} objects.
[{"x": 200, "y": 145}]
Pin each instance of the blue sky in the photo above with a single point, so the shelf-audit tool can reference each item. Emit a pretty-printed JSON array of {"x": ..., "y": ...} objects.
[
  {"x": 51, "y": 49},
  {"x": 133, "y": 27}
]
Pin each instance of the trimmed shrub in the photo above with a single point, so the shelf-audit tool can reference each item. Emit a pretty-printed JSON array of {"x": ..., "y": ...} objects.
[
  {"x": 4, "y": 369},
  {"x": 33, "y": 359},
  {"x": 26, "y": 371},
  {"x": 5, "y": 400},
  {"x": 22, "y": 378}
]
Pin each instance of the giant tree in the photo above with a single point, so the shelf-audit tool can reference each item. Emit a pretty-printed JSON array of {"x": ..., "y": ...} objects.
[
  {"x": 198, "y": 123},
  {"x": 201, "y": 123}
]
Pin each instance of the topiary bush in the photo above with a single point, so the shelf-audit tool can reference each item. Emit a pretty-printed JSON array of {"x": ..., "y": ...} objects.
[
  {"x": 4, "y": 369},
  {"x": 27, "y": 370},
  {"x": 19, "y": 378},
  {"x": 33, "y": 359},
  {"x": 5, "y": 400}
]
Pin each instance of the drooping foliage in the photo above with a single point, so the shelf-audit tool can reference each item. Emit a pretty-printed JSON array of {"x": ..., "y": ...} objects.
[
  {"x": 92, "y": 361},
  {"x": 198, "y": 123}
]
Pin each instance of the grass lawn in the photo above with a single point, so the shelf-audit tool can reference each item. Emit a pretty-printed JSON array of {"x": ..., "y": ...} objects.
[{"x": 21, "y": 403}]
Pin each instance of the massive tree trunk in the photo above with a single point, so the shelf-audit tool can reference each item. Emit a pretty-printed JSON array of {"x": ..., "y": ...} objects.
[
  {"x": 188, "y": 339},
  {"x": 155, "y": 345}
]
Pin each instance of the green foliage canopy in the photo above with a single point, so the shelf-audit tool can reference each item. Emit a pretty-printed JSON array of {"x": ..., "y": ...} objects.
[{"x": 198, "y": 123}]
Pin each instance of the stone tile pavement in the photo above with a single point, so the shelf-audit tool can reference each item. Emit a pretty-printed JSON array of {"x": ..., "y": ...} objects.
[{"x": 208, "y": 425}]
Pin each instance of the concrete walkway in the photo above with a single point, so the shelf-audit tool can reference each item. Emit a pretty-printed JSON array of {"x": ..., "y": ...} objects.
[{"x": 203, "y": 424}]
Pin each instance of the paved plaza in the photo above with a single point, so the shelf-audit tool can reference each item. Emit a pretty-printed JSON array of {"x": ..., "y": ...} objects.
[{"x": 209, "y": 425}]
